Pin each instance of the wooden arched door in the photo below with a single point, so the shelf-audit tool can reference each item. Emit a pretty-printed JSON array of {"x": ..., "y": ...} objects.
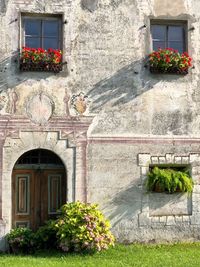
[{"x": 38, "y": 188}]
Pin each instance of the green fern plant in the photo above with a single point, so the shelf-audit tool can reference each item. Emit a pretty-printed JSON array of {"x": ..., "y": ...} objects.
[{"x": 169, "y": 180}]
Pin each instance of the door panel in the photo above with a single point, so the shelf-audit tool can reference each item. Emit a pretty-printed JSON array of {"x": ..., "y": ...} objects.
[
  {"x": 22, "y": 194},
  {"x": 36, "y": 196},
  {"x": 54, "y": 193},
  {"x": 21, "y": 201}
]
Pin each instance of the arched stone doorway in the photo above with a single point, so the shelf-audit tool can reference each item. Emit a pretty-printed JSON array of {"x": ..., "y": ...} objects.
[{"x": 39, "y": 185}]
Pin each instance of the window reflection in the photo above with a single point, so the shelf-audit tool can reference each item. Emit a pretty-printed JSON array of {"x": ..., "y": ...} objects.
[
  {"x": 165, "y": 36},
  {"x": 44, "y": 33}
]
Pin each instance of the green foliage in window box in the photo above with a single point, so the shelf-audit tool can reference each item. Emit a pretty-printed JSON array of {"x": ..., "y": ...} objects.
[
  {"x": 169, "y": 180},
  {"x": 21, "y": 240},
  {"x": 82, "y": 227}
]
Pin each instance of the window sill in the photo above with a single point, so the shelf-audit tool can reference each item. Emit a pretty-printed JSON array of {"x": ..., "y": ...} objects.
[
  {"x": 172, "y": 71},
  {"x": 41, "y": 67}
]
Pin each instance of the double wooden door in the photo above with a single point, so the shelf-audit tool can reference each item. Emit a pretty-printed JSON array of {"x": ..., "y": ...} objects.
[{"x": 36, "y": 196}]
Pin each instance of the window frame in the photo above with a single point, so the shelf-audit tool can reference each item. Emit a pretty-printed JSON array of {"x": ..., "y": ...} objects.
[
  {"x": 166, "y": 22},
  {"x": 42, "y": 17}
]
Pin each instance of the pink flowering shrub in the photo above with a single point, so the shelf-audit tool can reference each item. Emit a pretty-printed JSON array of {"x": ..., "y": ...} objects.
[
  {"x": 82, "y": 227},
  {"x": 20, "y": 240}
]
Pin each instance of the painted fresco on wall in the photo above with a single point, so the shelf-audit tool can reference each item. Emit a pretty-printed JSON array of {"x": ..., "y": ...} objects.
[
  {"x": 40, "y": 108},
  {"x": 79, "y": 103},
  {"x": 3, "y": 102},
  {"x": 13, "y": 98}
]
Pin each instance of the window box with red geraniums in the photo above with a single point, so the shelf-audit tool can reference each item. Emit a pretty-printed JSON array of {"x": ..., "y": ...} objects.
[
  {"x": 32, "y": 59},
  {"x": 169, "y": 61}
]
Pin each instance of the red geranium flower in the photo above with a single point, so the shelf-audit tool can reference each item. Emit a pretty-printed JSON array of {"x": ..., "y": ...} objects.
[
  {"x": 169, "y": 59},
  {"x": 38, "y": 55}
]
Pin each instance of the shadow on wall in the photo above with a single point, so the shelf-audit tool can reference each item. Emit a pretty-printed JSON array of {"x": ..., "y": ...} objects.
[
  {"x": 125, "y": 205},
  {"x": 6, "y": 68},
  {"x": 163, "y": 204},
  {"x": 11, "y": 76},
  {"x": 3, "y": 6},
  {"x": 125, "y": 85},
  {"x": 122, "y": 87}
]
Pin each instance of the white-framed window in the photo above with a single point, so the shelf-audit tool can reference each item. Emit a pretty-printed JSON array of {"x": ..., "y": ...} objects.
[
  {"x": 169, "y": 34},
  {"x": 42, "y": 31}
]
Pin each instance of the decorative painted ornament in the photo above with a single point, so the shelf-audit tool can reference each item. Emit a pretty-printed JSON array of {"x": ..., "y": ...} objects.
[
  {"x": 80, "y": 103},
  {"x": 40, "y": 108}
]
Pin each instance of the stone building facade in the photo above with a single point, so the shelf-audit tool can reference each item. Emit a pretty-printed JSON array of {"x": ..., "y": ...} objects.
[{"x": 134, "y": 119}]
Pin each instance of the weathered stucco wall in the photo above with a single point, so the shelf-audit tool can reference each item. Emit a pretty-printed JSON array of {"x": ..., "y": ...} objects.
[
  {"x": 105, "y": 50},
  {"x": 137, "y": 215},
  {"x": 167, "y": 8},
  {"x": 105, "y": 46}
]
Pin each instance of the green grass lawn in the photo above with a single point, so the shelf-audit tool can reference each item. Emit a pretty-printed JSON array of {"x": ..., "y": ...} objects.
[{"x": 121, "y": 256}]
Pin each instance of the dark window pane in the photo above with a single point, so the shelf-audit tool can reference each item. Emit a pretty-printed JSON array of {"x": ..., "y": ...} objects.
[
  {"x": 42, "y": 33},
  {"x": 32, "y": 42},
  {"x": 157, "y": 45},
  {"x": 34, "y": 161},
  {"x": 50, "y": 43},
  {"x": 50, "y": 28},
  {"x": 177, "y": 45},
  {"x": 158, "y": 32},
  {"x": 41, "y": 156},
  {"x": 175, "y": 33},
  {"x": 33, "y": 153},
  {"x": 33, "y": 27}
]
